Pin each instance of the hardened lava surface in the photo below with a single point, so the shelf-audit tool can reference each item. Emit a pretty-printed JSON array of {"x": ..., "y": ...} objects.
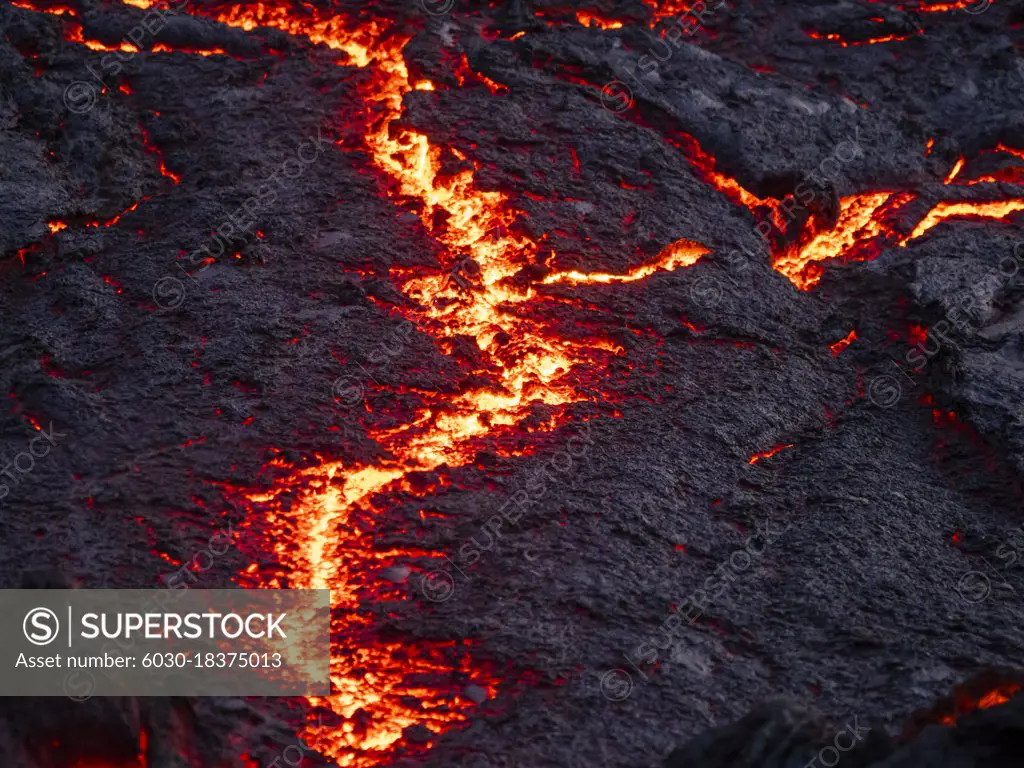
[{"x": 618, "y": 366}]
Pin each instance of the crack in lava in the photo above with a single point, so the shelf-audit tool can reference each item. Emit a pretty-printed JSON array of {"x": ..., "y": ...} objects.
[{"x": 319, "y": 520}]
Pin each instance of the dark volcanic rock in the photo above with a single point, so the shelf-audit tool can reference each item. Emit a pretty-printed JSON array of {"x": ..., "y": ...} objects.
[
  {"x": 780, "y": 736},
  {"x": 857, "y": 547}
]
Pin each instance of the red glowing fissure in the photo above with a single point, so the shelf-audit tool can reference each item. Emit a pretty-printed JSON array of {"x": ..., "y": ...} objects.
[{"x": 319, "y": 519}]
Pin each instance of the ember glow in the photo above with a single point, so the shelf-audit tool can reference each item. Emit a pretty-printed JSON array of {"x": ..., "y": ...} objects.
[
  {"x": 856, "y": 236},
  {"x": 707, "y": 167},
  {"x": 769, "y": 453},
  {"x": 959, "y": 5},
  {"x": 956, "y": 170},
  {"x": 682, "y": 253},
  {"x": 74, "y": 34},
  {"x": 843, "y": 343},
  {"x": 836, "y": 38},
  {"x": 325, "y": 540},
  {"x": 592, "y": 20},
  {"x": 1000, "y": 210},
  {"x": 1013, "y": 174},
  {"x": 993, "y": 698},
  {"x": 319, "y": 518},
  {"x": 665, "y": 9}
]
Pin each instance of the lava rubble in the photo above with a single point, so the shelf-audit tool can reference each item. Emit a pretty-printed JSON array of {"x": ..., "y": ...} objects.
[{"x": 572, "y": 304}]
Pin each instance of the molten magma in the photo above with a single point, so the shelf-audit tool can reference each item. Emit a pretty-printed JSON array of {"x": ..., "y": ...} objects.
[
  {"x": 993, "y": 698},
  {"x": 955, "y": 171},
  {"x": 837, "y": 38},
  {"x": 682, "y": 253},
  {"x": 1012, "y": 174},
  {"x": 663, "y": 9},
  {"x": 864, "y": 229},
  {"x": 319, "y": 521},
  {"x": 997, "y": 209},
  {"x": 959, "y": 5},
  {"x": 593, "y": 20},
  {"x": 843, "y": 343},
  {"x": 769, "y": 453},
  {"x": 859, "y": 228},
  {"x": 707, "y": 167},
  {"x": 74, "y": 33}
]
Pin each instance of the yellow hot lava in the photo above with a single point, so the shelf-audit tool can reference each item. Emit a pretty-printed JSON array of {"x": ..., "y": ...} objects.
[
  {"x": 859, "y": 224},
  {"x": 323, "y": 536},
  {"x": 996, "y": 209},
  {"x": 682, "y": 253}
]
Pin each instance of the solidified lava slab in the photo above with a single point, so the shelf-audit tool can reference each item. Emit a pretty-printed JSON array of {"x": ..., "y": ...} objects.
[{"x": 520, "y": 328}]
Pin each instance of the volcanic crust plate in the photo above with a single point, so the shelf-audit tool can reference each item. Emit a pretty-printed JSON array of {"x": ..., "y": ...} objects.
[{"x": 619, "y": 366}]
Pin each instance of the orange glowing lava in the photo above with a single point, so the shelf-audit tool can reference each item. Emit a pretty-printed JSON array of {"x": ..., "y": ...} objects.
[
  {"x": 836, "y": 38},
  {"x": 56, "y": 10},
  {"x": 162, "y": 48},
  {"x": 668, "y": 8},
  {"x": 999, "y": 210},
  {"x": 1010, "y": 150},
  {"x": 74, "y": 34},
  {"x": 1012, "y": 174},
  {"x": 958, "y": 5},
  {"x": 707, "y": 168},
  {"x": 993, "y": 698},
  {"x": 955, "y": 171},
  {"x": 682, "y": 253},
  {"x": 593, "y": 20},
  {"x": 769, "y": 453},
  {"x": 855, "y": 236},
  {"x": 164, "y": 171},
  {"x": 863, "y": 230},
  {"x": 319, "y": 519},
  {"x": 843, "y": 343}
]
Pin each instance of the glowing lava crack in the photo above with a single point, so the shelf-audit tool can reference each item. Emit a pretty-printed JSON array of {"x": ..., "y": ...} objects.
[{"x": 319, "y": 520}]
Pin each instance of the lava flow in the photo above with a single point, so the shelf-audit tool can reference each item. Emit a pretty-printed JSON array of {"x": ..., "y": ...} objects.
[
  {"x": 1013, "y": 174},
  {"x": 319, "y": 520},
  {"x": 864, "y": 229},
  {"x": 593, "y": 20},
  {"x": 855, "y": 236},
  {"x": 836, "y": 38}
]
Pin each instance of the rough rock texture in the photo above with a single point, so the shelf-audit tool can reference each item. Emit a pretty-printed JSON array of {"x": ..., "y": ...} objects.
[
  {"x": 780, "y": 735},
  {"x": 160, "y": 390}
]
